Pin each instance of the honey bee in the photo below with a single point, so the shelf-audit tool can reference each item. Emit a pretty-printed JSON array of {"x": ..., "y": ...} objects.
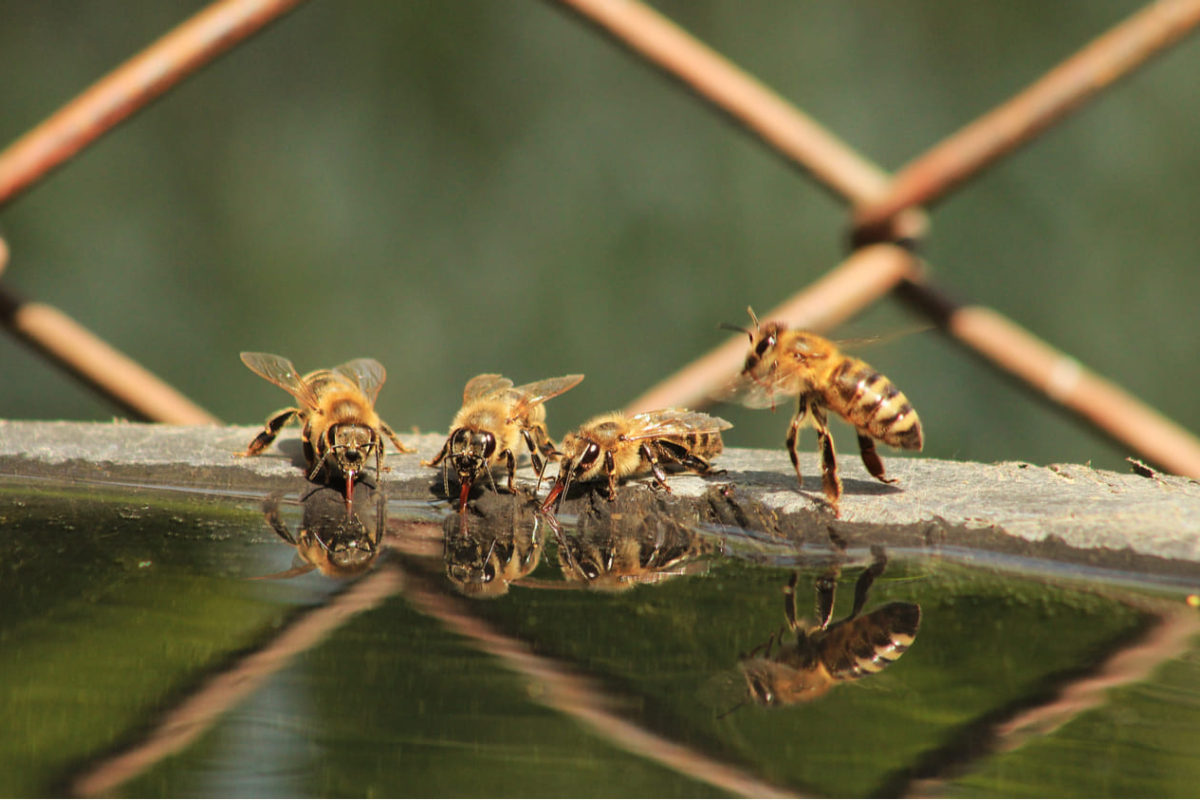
[
  {"x": 786, "y": 362},
  {"x": 337, "y": 409},
  {"x": 617, "y": 446},
  {"x": 493, "y": 548},
  {"x": 338, "y": 544},
  {"x": 615, "y": 552},
  {"x": 824, "y": 655},
  {"x": 495, "y": 417}
]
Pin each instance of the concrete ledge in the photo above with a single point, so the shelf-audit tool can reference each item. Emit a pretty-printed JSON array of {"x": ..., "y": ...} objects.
[{"x": 935, "y": 502}]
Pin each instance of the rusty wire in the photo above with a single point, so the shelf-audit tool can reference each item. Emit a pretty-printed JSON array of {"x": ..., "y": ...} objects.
[
  {"x": 79, "y": 123},
  {"x": 1059, "y": 92},
  {"x": 98, "y": 364},
  {"x": 132, "y": 86},
  {"x": 1004, "y": 344}
]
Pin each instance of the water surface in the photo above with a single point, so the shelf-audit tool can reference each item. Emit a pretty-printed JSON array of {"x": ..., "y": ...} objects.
[{"x": 159, "y": 642}]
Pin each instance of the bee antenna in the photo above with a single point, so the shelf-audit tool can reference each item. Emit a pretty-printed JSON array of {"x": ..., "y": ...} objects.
[
  {"x": 316, "y": 470},
  {"x": 729, "y": 711},
  {"x": 729, "y": 326}
]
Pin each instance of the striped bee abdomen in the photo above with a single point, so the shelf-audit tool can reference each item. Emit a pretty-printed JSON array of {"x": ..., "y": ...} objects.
[
  {"x": 865, "y": 645},
  {"x": 873, "y": 404},
  {"x": 704, "y": 445}
]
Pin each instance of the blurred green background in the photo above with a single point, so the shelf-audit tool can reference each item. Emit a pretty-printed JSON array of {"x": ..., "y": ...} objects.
[{"x": 465, "y": 187}]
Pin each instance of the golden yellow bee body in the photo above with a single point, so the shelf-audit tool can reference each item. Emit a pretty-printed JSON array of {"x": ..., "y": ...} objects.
[
  {"x": 615, "y": 446},
  {"x": 489, "y": 428},
  {"x": 801, "y": 364},
  {"x": 341, "y": 428}
]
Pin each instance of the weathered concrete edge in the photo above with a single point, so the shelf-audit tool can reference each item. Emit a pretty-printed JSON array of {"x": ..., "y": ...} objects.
[{"x": 1085, "y": 508}]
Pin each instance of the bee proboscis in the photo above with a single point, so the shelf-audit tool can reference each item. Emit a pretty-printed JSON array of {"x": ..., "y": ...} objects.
[
  {"x": 341, "y": 429},
  {"x": 785, "y": 363},
  {"x": 616, "y": 446},
  {"x": 825, "y": 654},
  {"x": 494, "y": 419}
]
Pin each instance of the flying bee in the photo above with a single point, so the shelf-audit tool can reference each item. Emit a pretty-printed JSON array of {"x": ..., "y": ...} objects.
[
  {"x": 495, "y": 417},
  {"x": 616, "y": 552},
  {"x": 785, "y": 362},
  {"x": 824, "y": 655},
  {"x": 616, "y": 446},
  {"x": 337, "y": 409},
  {"x": 338, "y": 544}
]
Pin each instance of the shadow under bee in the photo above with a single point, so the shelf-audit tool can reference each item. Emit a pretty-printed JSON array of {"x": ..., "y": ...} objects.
[
  {"x": 810, "y": 486},
  {"x": 294, "y": 450},
  {"x": 338, "y": 541}
]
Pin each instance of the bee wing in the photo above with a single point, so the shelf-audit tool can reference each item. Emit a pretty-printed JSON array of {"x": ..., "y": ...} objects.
[
  {"x": 279, "y": 371},
  {"x": 368, "y": 373},
  {"x": 483, "y": 385},
  {"x": 538, "y": 392},
  {"x": 673, "y": 422},
  {"x": 752, "y": 393}
]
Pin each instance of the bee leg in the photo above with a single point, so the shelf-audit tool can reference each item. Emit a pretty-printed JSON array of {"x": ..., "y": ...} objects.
[
  {"x": 865, "y": 581},
  {"x": 511, "y": 462},
  {"x": 871, "y": 459},
  {"x": 610, "y": 468},
  {"x": 391, "y": 434},
  {"x": 680, "y": 455},
  {"x": 759, "y": 647},
  {"x": 697, "y": 464},
  {"x": 535, "y": 456},
  {"x": 830, "y": 482},
  {"x": 826, "y": 590},
  {"x": 271, "y": 512},
  {"x": 793, "y": 432},
  {"x": 660, "y": 476},
  {"x": 789, "y": 601},
  {"x": 438, "y": 458},
  {"x": 274, "y": 424}
]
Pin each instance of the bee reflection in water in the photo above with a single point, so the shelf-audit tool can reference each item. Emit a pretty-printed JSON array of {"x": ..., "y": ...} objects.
[
  {"x": 617, "y": 551},
  {"x": 341, "y": 542},
  {"x": 496, "y": 541},
  {"x": 825, "y": 654}
]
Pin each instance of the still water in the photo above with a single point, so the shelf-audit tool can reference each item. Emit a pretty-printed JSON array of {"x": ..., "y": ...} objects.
[{"x": 159, "y": 642}]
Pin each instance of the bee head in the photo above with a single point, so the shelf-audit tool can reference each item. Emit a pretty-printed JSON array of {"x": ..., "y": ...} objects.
[{"x": 350, "y": 443}]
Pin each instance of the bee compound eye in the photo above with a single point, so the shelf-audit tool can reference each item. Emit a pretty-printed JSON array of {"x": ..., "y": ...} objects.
[
  {"x": 590, "y": 454},
  {"x": 489, "y": 445}
]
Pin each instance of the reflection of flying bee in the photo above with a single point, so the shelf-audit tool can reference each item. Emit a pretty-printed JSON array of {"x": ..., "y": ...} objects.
[
  {"x": 617, "y": 552},
  {"x": 789, "y": 362},
  {"x": 494, "y": 418},
  {"x": 340, "y": 545},
  {"x": 492, "y": 547},
  {"x": 616, "y": 446},
  {"x": 337, "y": 409},
  {"x": 824, "y": 655}
]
